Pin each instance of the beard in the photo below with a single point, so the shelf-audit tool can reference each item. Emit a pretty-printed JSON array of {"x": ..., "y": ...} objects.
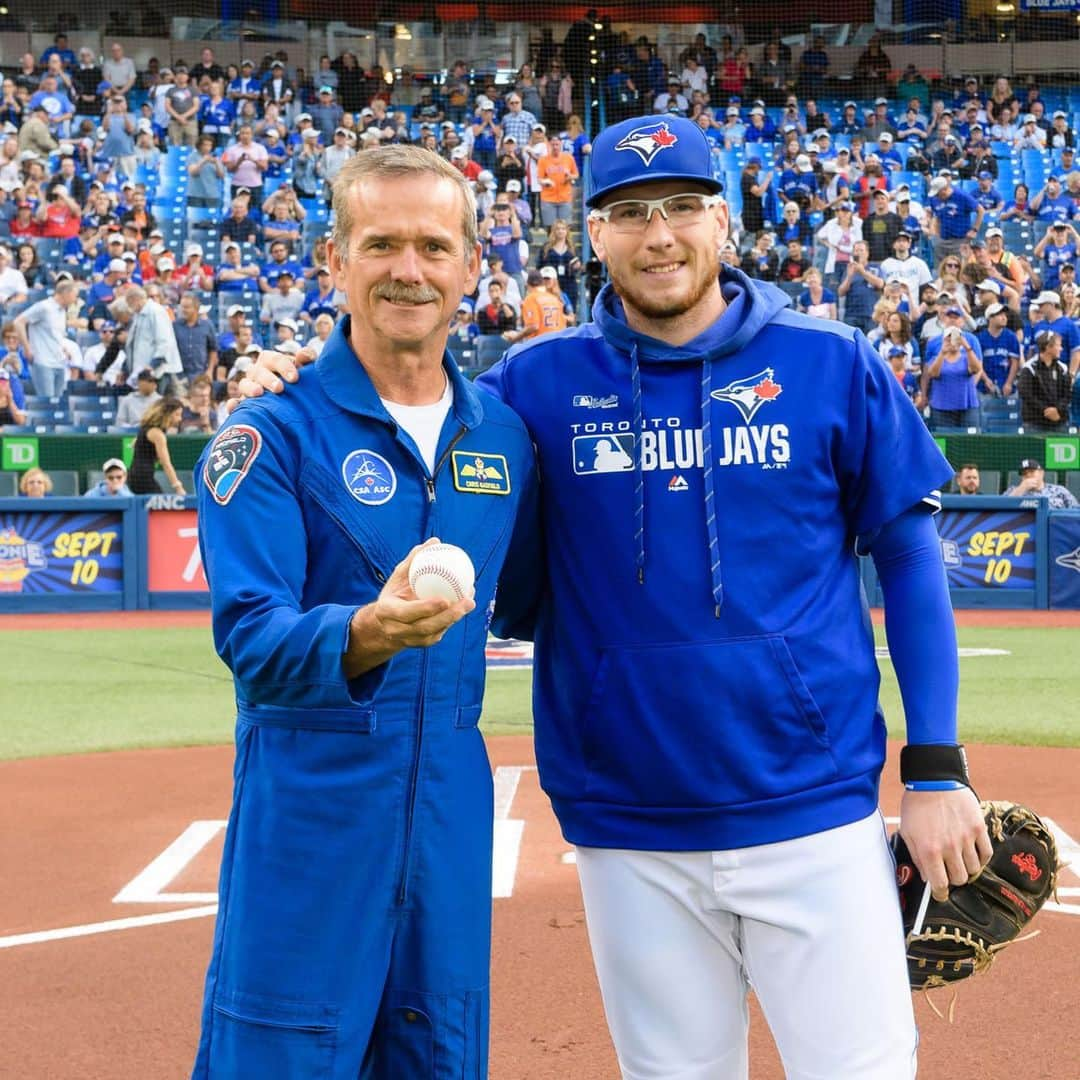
[{"x": 633, "y": 289}]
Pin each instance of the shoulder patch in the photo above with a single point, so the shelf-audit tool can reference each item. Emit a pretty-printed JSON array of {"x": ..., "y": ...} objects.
[
  {"x": 481, "y": 474},
  {"x": 230, "y": 458}
]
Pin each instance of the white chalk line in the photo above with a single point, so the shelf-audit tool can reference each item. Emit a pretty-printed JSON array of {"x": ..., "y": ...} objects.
[{"x": 150, "y": 884}]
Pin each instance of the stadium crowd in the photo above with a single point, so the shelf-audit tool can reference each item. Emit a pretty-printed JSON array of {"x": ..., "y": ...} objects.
[{"x": 163, "y": 225}]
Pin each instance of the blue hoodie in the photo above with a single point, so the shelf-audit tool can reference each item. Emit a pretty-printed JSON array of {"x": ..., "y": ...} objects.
[{"x": 705, "y": 671}]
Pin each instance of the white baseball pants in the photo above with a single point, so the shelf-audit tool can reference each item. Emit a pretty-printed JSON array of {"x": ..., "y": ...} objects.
[{"x": 812, "y": 925}]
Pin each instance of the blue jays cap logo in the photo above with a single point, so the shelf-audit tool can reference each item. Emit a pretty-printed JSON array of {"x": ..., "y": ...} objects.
[
  {"x": 370, "y": 478},
  {"x": 230, "y": 458},
  {"x": 648, "y": 141},
  {"x": 748, "y": 395}
]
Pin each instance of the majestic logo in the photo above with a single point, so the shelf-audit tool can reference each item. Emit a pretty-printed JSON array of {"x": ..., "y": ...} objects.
[
  {"x": 587, "y": 401},
  {"x": 480, "y": 474},
  {"x": 1071, "y": 560},
  {"x": 19, "y": 557},
  {"x": 748, "y": 395},
  {"x": 678, "y": 483},
  {"x": 904, "y": 874},
  {"x": 603, "y": 453},
  {"x": 648, "y": 141},
  {"x": 229, "y": 461},
  {"x": 370, "y": 478},
  {"x": 1027, "y": 865}
]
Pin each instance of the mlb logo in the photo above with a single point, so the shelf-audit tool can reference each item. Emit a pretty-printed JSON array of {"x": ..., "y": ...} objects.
[{"x": 603, "y": 454}]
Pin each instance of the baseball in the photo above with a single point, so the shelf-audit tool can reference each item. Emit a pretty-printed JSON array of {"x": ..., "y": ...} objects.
[{"x": 442, "y": 570}]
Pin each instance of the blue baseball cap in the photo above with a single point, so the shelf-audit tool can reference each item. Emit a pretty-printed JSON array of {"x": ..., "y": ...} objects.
[{"x": 647, "y": 148}]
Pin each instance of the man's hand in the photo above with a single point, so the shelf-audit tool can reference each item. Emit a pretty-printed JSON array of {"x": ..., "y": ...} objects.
[
  {"x": 397, "y": 620},
  {"x": 946, "y": 835},
  {"x": 264, "y": 374},
  {"x": 1051, "y": 414}
]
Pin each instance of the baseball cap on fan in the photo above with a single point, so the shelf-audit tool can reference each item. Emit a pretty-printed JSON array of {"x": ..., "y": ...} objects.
[{"x": 647, "y": 148}]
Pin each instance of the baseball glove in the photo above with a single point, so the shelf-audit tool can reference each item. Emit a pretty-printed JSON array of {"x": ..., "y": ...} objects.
[{"x": 960, "y": 936}]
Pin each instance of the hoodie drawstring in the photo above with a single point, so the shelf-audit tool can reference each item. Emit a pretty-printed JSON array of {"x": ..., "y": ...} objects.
[
  {"x": 639, "y": 473},
  {"x": 710, "y": 493}
]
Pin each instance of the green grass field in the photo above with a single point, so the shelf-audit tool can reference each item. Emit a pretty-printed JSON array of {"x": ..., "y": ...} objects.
[{"x": 73, "y": 692}]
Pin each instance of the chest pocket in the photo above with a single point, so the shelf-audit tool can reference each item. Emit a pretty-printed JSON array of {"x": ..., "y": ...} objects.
[{"x": 354, "y": 520}]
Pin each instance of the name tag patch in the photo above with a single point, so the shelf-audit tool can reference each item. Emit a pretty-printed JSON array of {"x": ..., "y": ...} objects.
[{"x": 480, "y": 474}]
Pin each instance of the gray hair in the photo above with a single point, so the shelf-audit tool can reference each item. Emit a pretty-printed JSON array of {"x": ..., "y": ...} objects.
[
  {"x": 119, "y": 310},
  {"x": 393, "y": 162}
]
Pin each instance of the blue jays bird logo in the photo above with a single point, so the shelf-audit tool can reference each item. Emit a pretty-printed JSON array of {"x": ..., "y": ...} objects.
[
  {"x": 1071, "y": 560},
  {"x": 748, "y": 395},
  {"x": 648, "y": 141}
]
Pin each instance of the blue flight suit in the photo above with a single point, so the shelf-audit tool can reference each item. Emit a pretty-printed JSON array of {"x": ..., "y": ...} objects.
[{"x": 353, "y": 935}]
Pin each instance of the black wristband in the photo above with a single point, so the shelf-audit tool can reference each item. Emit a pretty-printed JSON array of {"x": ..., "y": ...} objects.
[{"x": 934, "y": 761}]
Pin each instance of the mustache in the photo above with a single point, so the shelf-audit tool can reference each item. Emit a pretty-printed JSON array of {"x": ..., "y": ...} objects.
[{"x": 399, "y": 293}]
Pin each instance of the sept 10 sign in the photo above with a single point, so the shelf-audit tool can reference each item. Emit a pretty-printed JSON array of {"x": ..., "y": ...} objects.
[
  {"x": 989, "y": 549},
  {"x": 61, "y": 552}
]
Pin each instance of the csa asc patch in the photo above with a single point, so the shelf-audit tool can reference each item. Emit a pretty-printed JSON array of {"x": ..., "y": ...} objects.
[
  {"x": 603, "y": 453},
  {"x": 370, "y": 478},
  {"x": 480, "y": 474},
  {"x": 230, "y": 458}
]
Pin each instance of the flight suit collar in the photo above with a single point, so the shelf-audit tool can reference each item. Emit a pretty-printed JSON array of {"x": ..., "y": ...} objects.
[{"x": 346, "y": 383}]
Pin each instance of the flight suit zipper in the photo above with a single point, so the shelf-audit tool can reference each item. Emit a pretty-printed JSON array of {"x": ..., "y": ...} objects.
[{"x": 414, "y": 774}]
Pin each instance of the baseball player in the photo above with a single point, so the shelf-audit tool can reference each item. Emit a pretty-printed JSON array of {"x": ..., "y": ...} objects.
[
  {"x": 705, "y": 693},
  {"x": 353, "y": 935}
]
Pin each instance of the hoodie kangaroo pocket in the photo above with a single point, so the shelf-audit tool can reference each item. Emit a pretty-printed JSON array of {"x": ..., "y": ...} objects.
[{"x": 712, "y": 724}]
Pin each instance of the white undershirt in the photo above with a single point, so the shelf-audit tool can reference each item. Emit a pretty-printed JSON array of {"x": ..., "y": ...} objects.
[{"x": 423, "y": 423}]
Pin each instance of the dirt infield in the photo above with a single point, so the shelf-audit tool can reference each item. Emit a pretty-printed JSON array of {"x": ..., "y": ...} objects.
[{"x": 121, "y": 1002}]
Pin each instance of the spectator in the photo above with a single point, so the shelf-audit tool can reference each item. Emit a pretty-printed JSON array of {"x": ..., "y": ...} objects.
[
  {"x": 119, "y": 70},
  {"x": 754, "y": 186},
  {"x": 951, "y": 217},
  {"x": 1030, "y": 135},
  {"x": 672, "y": 100},
  {"x": 1000, "y": 349},
  {"x": 1047, "y": 306},
  {"x": 1033, "y": 482},
  {"x": 860, "y": 287},
  {"x": 798, "y": 184},
  {"x": 152, "y": 448},
  {"x": 903, "y": 264},
  {"x": 541, "y": 312},
  {"x": 968, "y": 481},
  {"x": 986, "y": 195},
  {"x": 217, "y": 114},
  {"x": 195, "y": 339},
  {"x": 517, "y": 122},
  {"x": 551, "y": 283},
  {"x": 817, "y": 300},
  {"x": 13, "y": 287},
  {"x": 247, "y": 160},
  {"x": 1059, "y": 245},
  {"x": 238, "y": 225},
  {"x": 323, "y": 326},
  {"x": 1051, "y": 203},
  {"x": 182, "y": 108},
  {"x": 495, "y": 316},
  {"x": 761, "y": 261},
  {"x": 283, "y": 301},
  {"x": 10, "y": 413},
  {"x": 150, "y": 339},
  {"x": 907, "y": 379},
  {"x": 559, "y": 252},
  {"x": 41, "y": 330},
  {"x": 897, "y": 335},
  {"x": 207, "y": 68},
  {"x": 132, "y": 407},
  {"x": 872, "y": 69},
  {"x": 199, "y": 414},
  {"x": 881, "y": 229},
  {"x": 246, "y": 87},
  {"x": 193, "y": 273},
  {"x": 557, "y": 172},
  {"x": 277, "y": 89},
  {"x": 35, "y": 139},
  {"x": 113, "y": 483},
  {"x": 35, "y": 483},
  {"x": 236, "y": 274},
  {"x": 462, "y": 328},
  {"x": 794, "y": 264},
  {"x": 948, "y": 381},
  {"x": 324, "y": 299}
]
